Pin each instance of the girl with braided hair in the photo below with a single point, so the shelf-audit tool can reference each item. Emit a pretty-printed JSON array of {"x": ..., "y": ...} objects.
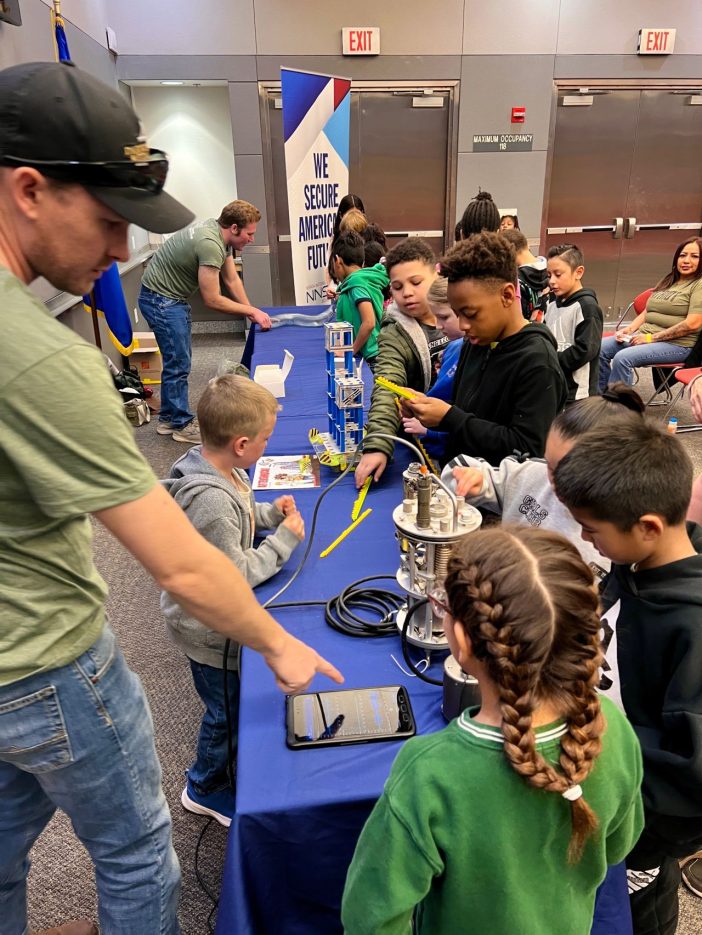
[{"x": 507, "y": 820}]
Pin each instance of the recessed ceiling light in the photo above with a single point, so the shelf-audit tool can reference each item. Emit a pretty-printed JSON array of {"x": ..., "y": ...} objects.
[{"x": 172, "y": 82}]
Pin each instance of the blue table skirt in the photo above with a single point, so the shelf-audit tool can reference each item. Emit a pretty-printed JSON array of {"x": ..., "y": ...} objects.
[{"x": 299, "y": 813}]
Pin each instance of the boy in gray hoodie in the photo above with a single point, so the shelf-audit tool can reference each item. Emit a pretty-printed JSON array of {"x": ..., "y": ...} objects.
[{"x": 237, "y": 417}]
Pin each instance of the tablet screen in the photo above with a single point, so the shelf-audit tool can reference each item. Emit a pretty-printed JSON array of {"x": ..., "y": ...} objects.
[{"x": 349, "y": 716}]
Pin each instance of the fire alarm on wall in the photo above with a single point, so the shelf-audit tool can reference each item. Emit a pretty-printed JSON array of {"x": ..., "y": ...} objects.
[{"x": 518, "y": 114}]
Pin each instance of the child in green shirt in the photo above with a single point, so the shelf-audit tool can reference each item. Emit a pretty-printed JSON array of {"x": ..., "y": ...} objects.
[
  {"x": 359, "y": 298},
  {"x": 500, "y": 822}
]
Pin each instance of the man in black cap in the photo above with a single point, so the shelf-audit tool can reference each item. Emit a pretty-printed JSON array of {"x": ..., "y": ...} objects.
[{"x": 75, "y": 729}]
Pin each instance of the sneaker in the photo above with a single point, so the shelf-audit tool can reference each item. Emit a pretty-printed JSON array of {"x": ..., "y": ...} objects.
[
  {"x": 189, "y": 434},
  {"x": 640, "y": 879},
  {"x": 217, "y": 805},
  {"x": 165, "y": 428},
  {"x": 692, "y": 875}
]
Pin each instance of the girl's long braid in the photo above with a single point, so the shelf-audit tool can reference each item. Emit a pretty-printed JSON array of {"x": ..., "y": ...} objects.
[{"x": 522, "y": 601}]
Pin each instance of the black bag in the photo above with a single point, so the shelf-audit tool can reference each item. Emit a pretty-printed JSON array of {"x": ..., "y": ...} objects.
[{"x": 129, "y": 385}]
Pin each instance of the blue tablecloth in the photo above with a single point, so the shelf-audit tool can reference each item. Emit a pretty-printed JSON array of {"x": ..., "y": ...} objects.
[{"x": 299, "y": 813}]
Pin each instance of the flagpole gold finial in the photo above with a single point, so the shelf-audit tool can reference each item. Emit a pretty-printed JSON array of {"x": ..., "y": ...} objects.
[{"x": 57, "y": 7}]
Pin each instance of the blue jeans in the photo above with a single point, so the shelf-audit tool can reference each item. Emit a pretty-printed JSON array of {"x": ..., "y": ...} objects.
[
  {"x": 169, "y": 319},
  {"x": 208, "y": 774},
  {"x": 624, "y": 357},
  {"x": 80, "y": 738}
]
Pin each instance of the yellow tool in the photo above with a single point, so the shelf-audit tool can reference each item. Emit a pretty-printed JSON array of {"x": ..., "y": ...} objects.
[
  {"x": 421, "y": 447},
  {"x": 394, "y": 388},
  {"x": 345, "y": 533},
  {"x": 432, "y": 466},
  {"x": 358, "y": 502}
]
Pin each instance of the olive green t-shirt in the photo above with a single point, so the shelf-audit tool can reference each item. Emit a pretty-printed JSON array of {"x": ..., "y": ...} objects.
[
  {"x": 66, "y": 450},
  {"x": 174, "y": 267},
  {"x": 671, "y": 306}
]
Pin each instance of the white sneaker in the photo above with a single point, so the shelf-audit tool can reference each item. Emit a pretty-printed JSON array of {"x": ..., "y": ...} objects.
[
  {"x": 189, "y": 434},
  {"x": 165, "y": 428},
  {"x": 209, "y": 808}
]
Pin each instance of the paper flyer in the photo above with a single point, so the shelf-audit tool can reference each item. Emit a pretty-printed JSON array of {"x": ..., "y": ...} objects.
[{"x": 286, "y": 472}]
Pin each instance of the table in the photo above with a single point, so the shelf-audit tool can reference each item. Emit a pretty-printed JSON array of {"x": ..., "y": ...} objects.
[{"x": 299, "y": 813}]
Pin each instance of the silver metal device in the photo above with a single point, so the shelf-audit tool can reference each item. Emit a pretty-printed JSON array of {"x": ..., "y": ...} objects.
[
  {"x": 428, "y": 522},
  {"x": 461, "y": 690}
]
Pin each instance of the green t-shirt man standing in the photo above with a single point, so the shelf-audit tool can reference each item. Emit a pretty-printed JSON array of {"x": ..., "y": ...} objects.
[{"x": 199, "y": 257}]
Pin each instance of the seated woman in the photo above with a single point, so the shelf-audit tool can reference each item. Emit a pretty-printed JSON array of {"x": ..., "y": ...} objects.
[{"x": 666, "y": 330}]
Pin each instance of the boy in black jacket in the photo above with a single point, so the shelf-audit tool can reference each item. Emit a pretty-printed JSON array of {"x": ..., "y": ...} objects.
[
  {"x": 575, "y": 320},
  {"x": 508, "y": 386},
  {"x": 630, "y": 493}
]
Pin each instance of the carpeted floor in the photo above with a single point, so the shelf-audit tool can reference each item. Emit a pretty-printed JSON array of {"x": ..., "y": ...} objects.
[{"x": 61, "y": 884}]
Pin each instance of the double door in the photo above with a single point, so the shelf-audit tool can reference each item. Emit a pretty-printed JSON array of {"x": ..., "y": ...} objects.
[
  {"x": 625, "y": 185},
  {"x": 401, "y": 145}
]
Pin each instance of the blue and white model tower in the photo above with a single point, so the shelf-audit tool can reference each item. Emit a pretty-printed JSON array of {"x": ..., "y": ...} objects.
[{"x": 344, "y": 390}]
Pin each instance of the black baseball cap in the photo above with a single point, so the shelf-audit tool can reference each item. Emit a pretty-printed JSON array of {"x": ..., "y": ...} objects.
[{"x": 72, "y": 127}]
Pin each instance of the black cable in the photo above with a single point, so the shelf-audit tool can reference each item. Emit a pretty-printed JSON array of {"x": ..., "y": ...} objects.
[
  {"x": 336, "y": 608},
  {"x": 405, "y": 645},
  {"x": 340, "y": 617},
  {"x": 386, "y": 603},
  {"x": 204, "y": 886},
  {"x": 269, "y": 603}
]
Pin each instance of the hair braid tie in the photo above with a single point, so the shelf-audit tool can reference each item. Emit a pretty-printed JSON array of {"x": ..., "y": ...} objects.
[{"x": 573, "y": 793}]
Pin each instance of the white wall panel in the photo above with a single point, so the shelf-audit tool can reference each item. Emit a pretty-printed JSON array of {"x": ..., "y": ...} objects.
[
  {"x": 166, "y": 27},
  {"x": 515, "y": 180},
  {"x": 193, "y": 126},
  {"x": 591, "y": 27},
  {"x": 492, "y": 84},
  {"x": 284, "y": 27},
  {"x": 510, "y": 27}
]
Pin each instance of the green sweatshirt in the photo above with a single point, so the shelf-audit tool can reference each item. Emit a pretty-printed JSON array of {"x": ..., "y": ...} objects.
[
  {"x": 363, "y": 285},
  {"x": 460, "y": 835}
]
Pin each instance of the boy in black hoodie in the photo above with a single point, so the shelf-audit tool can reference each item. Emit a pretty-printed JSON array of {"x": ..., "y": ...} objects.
[
  {"x": 575, "y": 320},
  {"x": 630, "y": 493},
  {"x": 508, "y": 386}
]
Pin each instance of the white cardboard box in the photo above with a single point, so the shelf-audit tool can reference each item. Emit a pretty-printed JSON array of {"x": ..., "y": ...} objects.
[{"x": 273, "y": 377}]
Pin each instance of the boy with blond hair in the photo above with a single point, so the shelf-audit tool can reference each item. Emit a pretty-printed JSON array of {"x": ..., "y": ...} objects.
[{"x": 210, "y": 484}]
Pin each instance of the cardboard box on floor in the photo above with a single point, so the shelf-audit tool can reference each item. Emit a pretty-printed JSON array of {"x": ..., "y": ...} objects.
[{"x": 146, "y": 357}]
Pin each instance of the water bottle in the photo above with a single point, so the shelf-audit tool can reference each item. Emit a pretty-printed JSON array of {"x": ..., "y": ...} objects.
[{"x": 672, "y": 426}]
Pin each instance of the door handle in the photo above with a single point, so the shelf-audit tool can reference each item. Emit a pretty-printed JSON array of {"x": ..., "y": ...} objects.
[
  {"x": 618, "y": 228},
  {"x": 629, "y": 228}
]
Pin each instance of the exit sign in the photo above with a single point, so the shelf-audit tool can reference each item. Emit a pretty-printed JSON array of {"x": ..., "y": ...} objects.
[
  {"x": 656, "y": 41},
  {"x": 360, "y": 40}
]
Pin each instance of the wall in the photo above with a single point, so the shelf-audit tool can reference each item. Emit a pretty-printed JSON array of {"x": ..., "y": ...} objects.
[
  {"x": 193, "y": 126},
  {"x": 505, "y": 54},
  {"x": 85, "y": 32}
]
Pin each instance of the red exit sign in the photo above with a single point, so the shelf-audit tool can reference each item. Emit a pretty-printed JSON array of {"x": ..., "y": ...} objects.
[
  {"x": 360, "y": 40},
  {"x": 656, "y": 41}
]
